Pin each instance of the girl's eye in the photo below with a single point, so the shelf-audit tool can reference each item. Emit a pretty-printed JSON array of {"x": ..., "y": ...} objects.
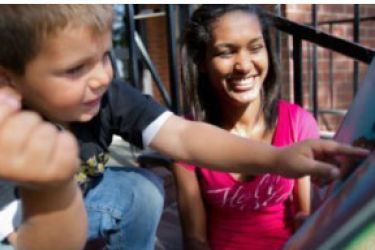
[
  {"x": 224, "y": 54},
  {"x": 256, "y": 48}
]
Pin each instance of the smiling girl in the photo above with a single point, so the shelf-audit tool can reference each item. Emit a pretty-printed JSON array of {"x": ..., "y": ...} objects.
[{"x": 228, "y": 48}]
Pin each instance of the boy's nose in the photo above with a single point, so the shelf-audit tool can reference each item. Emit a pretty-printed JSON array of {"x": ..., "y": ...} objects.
[{"x": 102, "y": 76}]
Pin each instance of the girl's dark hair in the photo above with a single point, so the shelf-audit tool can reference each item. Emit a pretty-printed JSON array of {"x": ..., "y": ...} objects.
[{"x": 202, "y": 101}]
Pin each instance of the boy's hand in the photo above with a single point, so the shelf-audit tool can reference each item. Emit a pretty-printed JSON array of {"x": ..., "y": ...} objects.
[
  {"x": 317, "y": 158},
  {"x": 33, "y": 153}
]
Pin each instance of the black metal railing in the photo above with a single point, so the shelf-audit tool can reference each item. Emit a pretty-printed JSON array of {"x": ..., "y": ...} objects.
[
  {"x": 301, "y": 32},
  {"x": 137, "y": 51},
  {"x": 298, "y": 32}
]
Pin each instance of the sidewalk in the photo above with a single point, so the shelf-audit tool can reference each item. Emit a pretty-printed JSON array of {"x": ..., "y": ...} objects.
[{"x": 6, "y": 192}]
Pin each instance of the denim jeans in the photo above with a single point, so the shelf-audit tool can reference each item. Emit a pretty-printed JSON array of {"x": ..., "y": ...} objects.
[
  {"x": 124, "y": 207},
  {"x": 4, "y": 246}
]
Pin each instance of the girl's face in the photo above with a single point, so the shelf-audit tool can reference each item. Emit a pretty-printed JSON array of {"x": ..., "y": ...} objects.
[{"x": 237, "y": 59}]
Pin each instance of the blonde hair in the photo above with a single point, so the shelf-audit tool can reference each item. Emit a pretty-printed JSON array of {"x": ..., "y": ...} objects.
[{"x": 24, "y": 28}]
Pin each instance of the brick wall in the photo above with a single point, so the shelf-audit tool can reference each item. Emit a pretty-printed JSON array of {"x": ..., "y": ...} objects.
[
  {"x": 156, "y": 42},
  {"x": 339, "y": 93}
]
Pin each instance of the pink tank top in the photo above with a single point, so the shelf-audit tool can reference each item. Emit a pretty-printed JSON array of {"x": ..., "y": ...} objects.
[{"x": 251, "y": 215}]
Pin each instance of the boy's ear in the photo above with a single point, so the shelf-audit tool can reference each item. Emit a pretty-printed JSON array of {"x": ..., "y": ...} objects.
[
  {"x": 6, "y": 83},
  {"x": 6, "y": 77}
]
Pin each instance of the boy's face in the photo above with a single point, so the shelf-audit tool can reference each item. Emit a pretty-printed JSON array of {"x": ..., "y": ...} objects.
[{"x": 67, "y": 79}]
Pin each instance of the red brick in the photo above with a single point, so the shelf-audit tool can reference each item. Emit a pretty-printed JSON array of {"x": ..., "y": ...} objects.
[{"x": 331, "y": 8}]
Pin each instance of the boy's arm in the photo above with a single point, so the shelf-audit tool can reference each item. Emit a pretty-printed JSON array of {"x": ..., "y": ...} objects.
[
  {"x": 206, "y": 145},
  {"x": 191, "y": 209},
  {"x": 54, "y": 214},
  {"x": 42, "y": 161},
  {"x": 53, "y": 219}
]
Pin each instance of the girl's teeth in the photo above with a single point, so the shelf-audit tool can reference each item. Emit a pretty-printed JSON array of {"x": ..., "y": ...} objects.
[{"x": 245, "y": 81}]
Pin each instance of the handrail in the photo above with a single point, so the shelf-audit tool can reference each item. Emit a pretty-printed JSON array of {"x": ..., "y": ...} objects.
[
  {"x": 347, "y": 20},
  {"x": 150, "y": 66},
  {"x": 133, "y": 71},
  {"x": 323, "y": 39},
  {"x": 148, "y": 15}
]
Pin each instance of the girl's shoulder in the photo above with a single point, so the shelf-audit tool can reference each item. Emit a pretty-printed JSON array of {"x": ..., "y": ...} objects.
[
  {"x": 295, "y": 121},
  {"x": 292, "y": 110}
]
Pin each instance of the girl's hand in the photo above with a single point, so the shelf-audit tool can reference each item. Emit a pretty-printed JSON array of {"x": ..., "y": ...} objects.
[
  {"x": 195, "y": 244},
  {"x": 298, "y": 220},
  {"x": 317, "y": 158},
  {"x": 33, "y": 153}
]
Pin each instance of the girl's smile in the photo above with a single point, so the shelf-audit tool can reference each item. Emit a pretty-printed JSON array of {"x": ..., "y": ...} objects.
[{"x": 237, "y": 59}]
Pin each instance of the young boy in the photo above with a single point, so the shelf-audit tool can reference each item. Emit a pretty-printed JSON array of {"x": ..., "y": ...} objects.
[
  {"x": 56, "y": 58},
  {"x": 42, "y": 161}
]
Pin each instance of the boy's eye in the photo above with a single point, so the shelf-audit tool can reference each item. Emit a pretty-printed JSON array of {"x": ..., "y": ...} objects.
[{"x": 75, "y": 70}]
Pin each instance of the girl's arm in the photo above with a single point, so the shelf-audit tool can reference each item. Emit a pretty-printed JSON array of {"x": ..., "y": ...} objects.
[
  {"x": 191, "y": 208},
  {"x": 307, "y": 128},
  {"x": 303, "y": 201},
  {"x": 205, "y": 145},
  {"x": 304, "y": 195}
]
